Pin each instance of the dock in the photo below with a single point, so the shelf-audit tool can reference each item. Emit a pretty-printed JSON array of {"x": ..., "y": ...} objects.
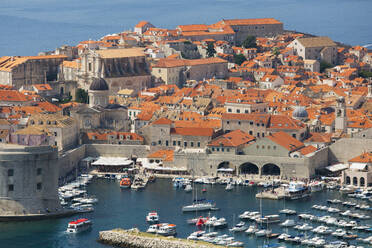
[
  {"x": 133, "y": 238},
  {"x": 275, "y": 194}
]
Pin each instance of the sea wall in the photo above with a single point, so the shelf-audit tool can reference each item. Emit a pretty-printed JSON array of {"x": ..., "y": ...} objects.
[
  {"x": 68, "y": 161},
  {"x": 348, "y": 148},
  {"x": 135, "y": 239}
]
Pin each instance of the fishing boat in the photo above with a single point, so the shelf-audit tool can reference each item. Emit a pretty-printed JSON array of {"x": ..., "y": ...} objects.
[
  {"x": 297, "y": 190},
  {"x": 152, "y": 217},
  {"x": 125, "y": 183},
  {"x": 79, "y": 225}
]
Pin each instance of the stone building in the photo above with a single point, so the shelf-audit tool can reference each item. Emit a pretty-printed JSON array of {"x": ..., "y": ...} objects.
[
  {"x": 121, "y": 68},
  {"x": 28, "y": 180},
  {"x": 315, "y": 48},
  {"x": 232, "y": 142},
  {"x": 261, "y": 125},
  {"x": 178, "y": 71},
  {"x": 257, "y": 27},
  {"x": 242, "y": 106},
  {"x": 359, "y": 173},
  {"x": 99, "y": 114},
  {"x": 19, "y": 71}
]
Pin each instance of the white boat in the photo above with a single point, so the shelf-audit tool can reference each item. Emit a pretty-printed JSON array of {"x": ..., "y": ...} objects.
[
  {"x": 316, "y": 186},
  {"x": 79, "y": 225},
  {"x": 240, "y": 227},
  {"x": 251, "y": 229},
  {"x": 188, "y": 188},
  {"x": 339, "y": 233},
  {"x": 245, "y": 215},
  {"x": 322, "y": 230},
  {"x": 288, "y": 223},
  {"x": 152, "y": 217},
  {"x": 263, "y": 233},
  {"x": 287, "y": 211},
  {"x": 269, "y": 219},
  {"x": 153, "y": 228},
  {"x": 297, "y": 190},
  {"x": 220, "y": 223},
  {"x": 196, "y": 235},
  {"x": 203, "y": 206},
  {"x": 229, "y": 187},
  {"x": 305, "y": 227},
  {"x": 347, "y": 189},
  {"x": 167, "y": 230}
]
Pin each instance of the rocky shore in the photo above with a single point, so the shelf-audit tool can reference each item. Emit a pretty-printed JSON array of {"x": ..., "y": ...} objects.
[{"x": 133, "y": 238}]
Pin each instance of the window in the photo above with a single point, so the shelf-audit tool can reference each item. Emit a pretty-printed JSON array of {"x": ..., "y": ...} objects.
[
  {"x": 179, "y": 143},
  {"x": 258, "y": 147},
  {"x": 212, "y": 148},
  {"x": 159, "y": 142},
  {"x": 262, "y": 124},
  {"x": 10, "y": 187},
  {"x": 258, "y": 135},
  {"x": 274, "y": 147},
  {"x": 238, "y": 111},
  {"x": 246, "y": 111},
  {"x": 228, "y": 149},
  {"x": 90, "y": 67},
  {"x": 263, "y": 147},
  {"x": 55, "y": 143},
  {"x": 294, "y": 135},
  {"x": 166, "y": 143},
  {"x": 251, "y": 123},
  {"x": 251, "y": 132},
  {"x": 222, "y": 149},
  {"x": 174, "y": 143},
  {"x": 192, "y": 144},
  {"x": 198, "y": 144},
  {"x": 217, "y": 149},
  {"x": 263, "y": 135},
  {"x": 38, "y": 186},
  {"x": 228, "y": 122},
  {"x": 239, "y": 122},
  {"x": 229, "y": 110},
  {"x": 10, "y": 172},
  {"x": 38, "y": 171},
  {"x": 55, "y": 133},
  {"x": 185, "y": 144},
  {"x": 258, "y": 124},
  {"x": 268, "y": 147}
]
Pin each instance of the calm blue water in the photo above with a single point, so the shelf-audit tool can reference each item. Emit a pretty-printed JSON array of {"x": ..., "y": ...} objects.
[
  {"x": 28, "y": 27},
  {"x": 125, "y": 208}
]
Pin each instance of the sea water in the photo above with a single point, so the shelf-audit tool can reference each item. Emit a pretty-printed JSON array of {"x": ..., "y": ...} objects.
[
  {"x": 28, "y": 27},
  {"x": 126, "y": 208}
]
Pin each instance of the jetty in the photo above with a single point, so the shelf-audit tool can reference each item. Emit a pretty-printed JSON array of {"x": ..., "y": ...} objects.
[
  {"x": 133, "y": 238},
  {"x": 275, "y": 194}
]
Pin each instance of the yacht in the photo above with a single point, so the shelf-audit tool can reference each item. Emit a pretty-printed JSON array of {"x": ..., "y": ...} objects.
[
  {"x": 152, "y": 217},
  {"x": 220, "y": 223},
  {"x": 297, "y": 190},
  {"x": 268, "y": 219},
  {"x": 305, "y": 227},
  {"x": 198, "y": 206},
  {"x": 287, "y": 211},
  {"x": 79, "y": 225},
  {"x": 196, "y": 235},
  {"x": 339, "y": 233},
  {"x": 263, "y": 233}
]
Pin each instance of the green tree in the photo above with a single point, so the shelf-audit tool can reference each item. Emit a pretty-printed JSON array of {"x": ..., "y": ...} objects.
[
  {"x": 365, "y": 74},
  {"x": 324, "y": 65},
  {"x": 210, "y": 50},
  {"x": 239, "y": 59},
  {"x": 275, "y": 51},
  {"x": 81, "y": 96},
  {"x": 250, "y": 42}
]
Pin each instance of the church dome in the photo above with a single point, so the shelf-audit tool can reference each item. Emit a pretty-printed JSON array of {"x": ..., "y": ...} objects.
[
  {"x": 300, "y": 112},
  {"x": 98, "y": 84}
]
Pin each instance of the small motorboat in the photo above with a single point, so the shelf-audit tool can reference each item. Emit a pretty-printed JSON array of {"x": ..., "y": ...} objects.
[
  {"x": 263, "y": 233},
  {"x": 339, "y": 233},
  {"x": 167, "y": 230},
  {"x": 229, "y": 187},
  {"x": 287, "y": 211},
  {"x": 125, "y": 183},
  {"x": 79, "y": 225},
  {"x": 240, "y": 227},
  {"x": 251, "y": 229},
  {"x": 152, "y": 217},
  {"x": 188, "y": 188},
  {"x": 220, "y": 223}
]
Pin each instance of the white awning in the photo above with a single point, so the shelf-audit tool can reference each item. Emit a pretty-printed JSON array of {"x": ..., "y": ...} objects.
[
  {"x": 358, "y": 166},
  {"x": 113, "y": 161},
  {"x": 337, "y": 167},
  {"x": 225, "y": 170}
]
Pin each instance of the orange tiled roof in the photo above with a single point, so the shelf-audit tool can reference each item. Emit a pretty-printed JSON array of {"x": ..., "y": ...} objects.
[
  {"x": 365, "y": 157},
  {"x": 286, "y": 141},
  {"x": 232, "y": 139},
  {"x": 12, "y": 96},
  {"x": 307, "y": 150},
  {"x": 162, "y": 121},
  {"x": 165, "y": 155},
  {"x": 186, "y": 131}
]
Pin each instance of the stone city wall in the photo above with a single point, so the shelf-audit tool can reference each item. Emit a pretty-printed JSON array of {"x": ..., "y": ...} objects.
[{"x": 348, "y": 148}]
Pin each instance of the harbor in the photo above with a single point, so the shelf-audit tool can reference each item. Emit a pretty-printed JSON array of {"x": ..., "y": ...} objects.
[{"x": 128, "y": 209}]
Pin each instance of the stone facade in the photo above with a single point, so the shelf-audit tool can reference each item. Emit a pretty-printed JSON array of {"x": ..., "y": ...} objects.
[{"x": 28, "y": 180}]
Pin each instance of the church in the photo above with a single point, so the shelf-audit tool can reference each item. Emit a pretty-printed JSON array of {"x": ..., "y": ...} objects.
[{"x": 100, "y": 114}]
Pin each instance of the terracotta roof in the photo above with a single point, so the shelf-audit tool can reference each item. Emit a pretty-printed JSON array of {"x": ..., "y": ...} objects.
[
  {"x": 193, "y": 27},
  {"x": 121, "y": 53},
  {"x": 285, "y": 140},
  {"x": 141, "y": 24},
  {"x": 186, "y": 131},
  {"x": 12, "y": 96},
  {"x": 165, "y": 155},
  {"x": 167, "y": 63},
  {"x": 42, "y": 87},
  {"x": 365, "y": 157},
  {"x": 232, "y": 139},
  {"x": 307, "y": 150},
  {"x": 162, "y": 121},
  {"x": 319, "y": 138}
]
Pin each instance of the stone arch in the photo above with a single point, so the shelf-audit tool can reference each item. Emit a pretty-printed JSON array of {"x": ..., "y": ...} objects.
[
  {"x": 225, "y": 167},
  {"x": 355, "y": 181},
  {"x": 348, "y": 181},
  {"x": 270, "y": 170},
  {"x": 224, "y": 164},
  {"x": 248, "y": 168},
  {"x": 362, "y": 182}
]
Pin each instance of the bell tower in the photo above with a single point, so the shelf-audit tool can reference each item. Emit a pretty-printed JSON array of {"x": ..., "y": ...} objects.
[{"x": 341, "y": 119}]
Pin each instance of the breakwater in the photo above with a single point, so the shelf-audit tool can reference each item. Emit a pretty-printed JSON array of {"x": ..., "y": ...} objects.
[{"x": 133, "y": 238}]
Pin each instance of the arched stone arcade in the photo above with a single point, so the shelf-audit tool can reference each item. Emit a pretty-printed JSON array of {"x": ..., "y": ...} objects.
[
  {"x": 270, "y": 170},
  {"x": 248, "y": 168}
]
